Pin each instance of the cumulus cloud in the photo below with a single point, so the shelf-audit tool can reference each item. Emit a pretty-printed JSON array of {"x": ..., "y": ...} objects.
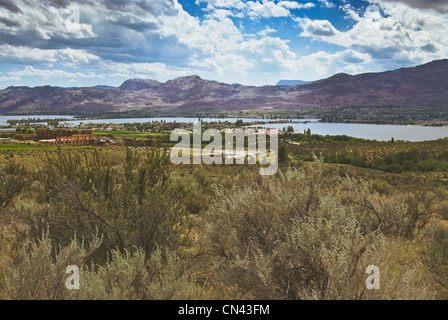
[
  {"x": 163, "y": 40},
  {"x": 393, "y": 35},
  {"x": 114, "y": 30},
  {"x": 148, "y": 39},
  {"x": 266, "y": 31},
  {"x": 275, "y": 54},
  {"x": 235, "y": 4},
  {"x": 38, "y": 20},
  {"x": 327, "y": 3},
  {"x": 437, "y": 5},
  {"x": 323, "y": 64},
  {"x": 266, "y": 9},
  {"x": 316, "y": 27},
  {"x": 67, "y": 56},
  {"x": 257, "y": 9},
  {"x": 296, "y": 5}
]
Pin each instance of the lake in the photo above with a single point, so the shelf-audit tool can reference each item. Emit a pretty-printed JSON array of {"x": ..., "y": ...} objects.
[
  {"x": 371, "y": 131},
  {"x": 366, "y": 131}
]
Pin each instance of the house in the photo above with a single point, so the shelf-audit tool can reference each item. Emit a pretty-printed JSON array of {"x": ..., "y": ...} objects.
[{"x": 63, "y": 137}]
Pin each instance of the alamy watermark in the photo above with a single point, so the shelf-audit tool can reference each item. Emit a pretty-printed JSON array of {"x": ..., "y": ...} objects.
[
  {"x": 73, "y": 281},
  {"x": 373, "y": 14},
  {"x": 74, "y": 14},
  {"x": 72, "y": 17},
  {"x": 234, "y": 150},
  {"x": 373, "y": 281}
]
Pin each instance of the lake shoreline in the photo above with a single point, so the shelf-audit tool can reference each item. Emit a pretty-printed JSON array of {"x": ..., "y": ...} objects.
[{"x": 369, "y": 131}]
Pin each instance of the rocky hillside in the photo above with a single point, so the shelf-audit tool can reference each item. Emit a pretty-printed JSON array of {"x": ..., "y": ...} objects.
[{"x": 424, "y": 86}]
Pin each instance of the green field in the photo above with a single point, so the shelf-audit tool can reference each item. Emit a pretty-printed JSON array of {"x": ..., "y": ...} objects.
[
  {"x": 13, "y": 147},
  {"x": 121, "y": 134}
]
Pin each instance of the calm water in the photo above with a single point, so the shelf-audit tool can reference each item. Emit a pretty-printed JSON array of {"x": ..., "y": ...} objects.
[
  {"x": 366, "y": 131},
  {"x": 142, "y": 120},
  {"x": 372, "y": 131}
]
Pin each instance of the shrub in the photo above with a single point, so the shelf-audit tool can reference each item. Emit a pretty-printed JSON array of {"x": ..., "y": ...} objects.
[
  {"x": 290, "y": 237},
  {"x": 37, "y": 270},
  {"x": 129, "y": 276}
]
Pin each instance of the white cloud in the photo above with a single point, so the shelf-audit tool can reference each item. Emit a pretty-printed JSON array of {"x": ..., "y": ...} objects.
[
  {"x": 67, "y": 56},
  {"x": 401, "y": 34},
  {"x": 30, "y": 71},
  {"x": 159, "y": 39},
  {"x": 296, "y": 5},
  {"x": 437, "y": 5},
  {"x": 234, "y": 4},
  {"x": 327, "y": 3},
  {"x": 266, "y": 9},
  {"x": 119, "y": 75},
  {"x": 256, "y": 9},
  {"x": 145, "y": 70},
  {"x": 323, "y": 64},
  {"x": 266, "y": 31},
  {"x": 316, "y": 27},
  {"x": 221, "y": 47},
  {"x": 46, "y": 21},
  {"x": 270, "y": 55},
  {"x": 4, "y": 78}
]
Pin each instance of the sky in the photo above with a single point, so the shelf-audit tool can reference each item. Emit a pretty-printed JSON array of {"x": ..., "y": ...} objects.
[{"x": 80, "y": 43}]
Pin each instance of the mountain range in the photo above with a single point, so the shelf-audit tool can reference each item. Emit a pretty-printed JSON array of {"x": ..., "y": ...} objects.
[
  {"x": 424, "y": 86},
  {"x": 291, "y": 82}
]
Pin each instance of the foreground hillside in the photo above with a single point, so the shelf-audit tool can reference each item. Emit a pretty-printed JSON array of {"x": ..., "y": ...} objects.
[
  {"x": 422, "y": 87},
  {"x": 141, "y": 228}
]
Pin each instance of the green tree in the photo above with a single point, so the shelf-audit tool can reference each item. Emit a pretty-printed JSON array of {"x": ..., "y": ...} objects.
[
  {"x": 239, "y": 123},
  {"x": 13, "y": 180},
  {"x": 283, "y": 155}
]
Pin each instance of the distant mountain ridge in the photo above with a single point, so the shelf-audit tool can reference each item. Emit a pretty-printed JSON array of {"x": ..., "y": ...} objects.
[
  {"x": 424, "y": 86},
  {"x": 291, "y": 82}
]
